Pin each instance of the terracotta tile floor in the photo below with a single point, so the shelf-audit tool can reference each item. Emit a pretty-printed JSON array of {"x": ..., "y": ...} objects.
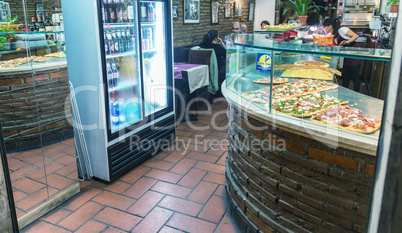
[
  {"x": 180, "y": 190},
  {"x": 40, "y": 174}
]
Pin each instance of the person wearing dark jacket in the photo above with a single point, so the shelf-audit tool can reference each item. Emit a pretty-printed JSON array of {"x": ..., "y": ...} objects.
[
  {"x": 212, "y": 41},
  {"x": 343, "y": 36}
]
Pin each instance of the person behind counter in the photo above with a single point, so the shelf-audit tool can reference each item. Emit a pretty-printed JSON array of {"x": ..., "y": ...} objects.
[
  {"x": 343, "y": 36},
  {"x": 212, "y": 41},
  {"x": 243, "y": 28},
  {"x": 264, "y": 23}
]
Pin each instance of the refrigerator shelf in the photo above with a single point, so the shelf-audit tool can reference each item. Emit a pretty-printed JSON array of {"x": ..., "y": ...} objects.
[
  {"x": 125, "y": 54},
  {"x": 147, "y": 24},
  {"x": 117, "y": 25},
  {"x": 150, "y": 50}
]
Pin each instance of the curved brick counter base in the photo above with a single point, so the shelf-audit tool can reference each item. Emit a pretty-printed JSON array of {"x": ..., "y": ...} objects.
[
  {"x": 35, "y": 108},
  {"x": 279, "y": 181}
]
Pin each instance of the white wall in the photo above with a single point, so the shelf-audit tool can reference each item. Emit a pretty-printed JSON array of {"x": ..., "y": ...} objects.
[{"x": 264, "y": 10}]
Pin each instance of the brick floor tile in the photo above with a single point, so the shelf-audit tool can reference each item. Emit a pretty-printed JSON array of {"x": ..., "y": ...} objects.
[
  {"x": 194, "y": 147},
  {"x": 183, "y": 133},
  {"x": 56, "y": 215},
  {"x": 38, "y": 161},
  {"x": 171, "y": 189},
  {"x": 158, "y": 164},
  {"x": 57, "y": 181},
  {"x": 140, "y": 187},
  {"x": 27, "y": 154},
  {"x": 210, "y": 167},
  {"x": 43, "y": 227},
  {"x": 69, "y": 151},
  {"x": 19, "y": 213},
  {"x": 18, "y": 195},
  {"x": 113, "y": 230},
  {"x": 135, "y": 174},
  {"x": 85, "y": 183},
  {"x": 115, "y": 187},
  {"x": 153, "y": 221},
  {"x": 222, "y": 160},
  {"x": 35, "y": 199},
  {"x": 202, "y": 157},
  {"x": 210, "y": 141},
  {"x": 118, "y": 218},
  {"x": 202, "y": 192},
  {"x": 15, "y": 164},
  {"x": 114, "y": 200},
  {"x": 160, "y": 155},
  {"x": 73, "y": 176},
  {"x": 27, "y": 185},
  {"x": 226, "y": 225},
  {"x": 221, "y": 191},
  {"x": 183, "y": 166},
  {"x": 190, "y": 224},
  {"x": 67, "y": 169},
  {"x": 69, "y": 142},
  {"x": 147, "y": 202},
  {"x": 217, "y": 149},
  {"x": 181, "y": 126},
  {"x": 175, "y": 156},
  {"x": 55, "y": 149},
  {"x": 165, "y": 176},
  {"x": 166, "y": 229},
  {"x": 25, "y": 171},
  {"x": 66, "y": 160},
  {"x": 181, "y": 205},
  {"x": 55, "y": 156},
  {"x": 214, "y": 209},
  {"x": 219, "y": 134},
  {"x": 215, "y": 178},
  {"x": 192, "y": 178},
  {"x": 92, "y": 227},
  {"x": 81, "y": 215},
  {"x": 83, "y": 197},
  {"x": 48, "y": 169}
]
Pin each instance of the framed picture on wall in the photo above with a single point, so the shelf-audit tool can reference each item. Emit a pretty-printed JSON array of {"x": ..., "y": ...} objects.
[
  {"x": 214, "y": 12},
  {"x": 4, "y": 11},
  {"x": 227, "y": 12},
  {"x": 191, "y": 11},
  {"x": 175, "y": 13},
  {"x": 251, "y": 12},
  {"x": 238, "y": 6}
]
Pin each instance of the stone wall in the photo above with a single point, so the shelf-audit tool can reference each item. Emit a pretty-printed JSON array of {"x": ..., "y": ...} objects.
[
  {"x": 279, "y": 181},
  {"x": 35, "y": 108},
  {"x": 192, "y": 34}
]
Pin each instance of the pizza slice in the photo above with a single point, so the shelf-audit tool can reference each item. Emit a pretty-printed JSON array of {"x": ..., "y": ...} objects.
[
  {"x": 305, "y": 105},
  {"x": 267, "y": 80},
  {"x": 347, "y": 118},
  {"x": 307, "y": 73},
  {"x": 305, "y": 67},
  {"x": 314, "y": 63}
]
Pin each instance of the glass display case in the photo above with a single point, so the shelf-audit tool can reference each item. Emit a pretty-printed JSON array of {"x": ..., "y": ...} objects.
[{"x": 306, "y": 85}]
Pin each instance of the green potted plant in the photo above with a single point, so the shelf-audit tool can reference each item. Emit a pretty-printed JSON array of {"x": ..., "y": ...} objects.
[
  {"x": 300, "y": 8},
  {"x": 6, "y": 33},
  {"x": 394, "y": 5}
]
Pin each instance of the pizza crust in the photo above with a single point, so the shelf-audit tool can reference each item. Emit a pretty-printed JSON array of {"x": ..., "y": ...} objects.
[
  {"x": 348, "y": 128},
  {"x": 308, "y": 74},
  {"x": 284, "y": 80},
  {"x": 305, "y": 67},
  {"x": 309, "y": 114},
  {"x": 315, "y": 63}
]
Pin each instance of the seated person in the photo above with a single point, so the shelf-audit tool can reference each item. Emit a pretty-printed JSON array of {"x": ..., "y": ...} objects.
[
  {"x": 212, "y": 41},
  {"x": 264, "y": 23},
  {"x": 243, "y": 28},
  {"x": 235, "y": 29}
]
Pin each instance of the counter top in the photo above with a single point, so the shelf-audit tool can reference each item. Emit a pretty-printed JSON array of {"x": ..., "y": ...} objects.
[{"x": 34, "y": 66}]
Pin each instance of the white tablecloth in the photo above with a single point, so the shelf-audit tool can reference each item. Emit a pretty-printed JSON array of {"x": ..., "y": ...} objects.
[{"x": 197, "y": 77}]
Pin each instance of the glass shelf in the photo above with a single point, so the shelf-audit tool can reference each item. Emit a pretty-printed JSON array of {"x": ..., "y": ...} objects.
[
  {"x": 125, "y": 54},
  {"x": 29, "y": 33},
  {"x": 148, "y": 24},
  {"x": 117, "y": 25},
  {"x": 259, "y": 41}
]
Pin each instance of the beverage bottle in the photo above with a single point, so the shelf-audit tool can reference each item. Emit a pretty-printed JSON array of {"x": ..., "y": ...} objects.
[
  {"x": 143, "y": 46},
  {"x": 48, "y": 24},
  {"x": 105, "y": 39},
  {"x": 151, "y": 15},
  {"x": 124, "y": 40},
  {"x": 116, "y": 74},
  {"x": 114, "y": 111},
  {"x": 112, "y": 11},
  {"x": 33, "y": 27},
  {"x": 128, "y": 42},
  {"x": 130, "y": 11},
  {"x": 103, "y": 6},
  {"x": 132, "y": 43},
  {"x": 144, "y": 17},
  {"x": 123, "y": 3},
  {"x": 110, "y": 42},
  {"x": 109, "y": 74},
  {"x": 115, "y": 42},
  {"x": 41, "y": 25},
  {"x": 119, "y": 11},
  {"x": 120, "y": 40}
]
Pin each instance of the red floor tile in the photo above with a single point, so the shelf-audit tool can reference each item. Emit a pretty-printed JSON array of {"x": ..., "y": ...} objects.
[
  {"x": 226, "y": 225},
  {"x": 80, "y": 216},
  {"x": 162, "y": 165},
  {"x": 57, "y": 181},
  {"x": 26, "y": 154},
  {"x": 222, "y": 160},
  {"x": 167, "y": 229},
  {"x": 164, "y": 176},
  {"x": 147, "y": 202},
  {"x": 183, "y": 166},
  {"x": 55, "y": 149},
  {"x": 43, "y": 227},
  {"x": 202, "y": 192},
  {"x": 27, "y": 185},
  {"x": 92, "y": 227},
  {"x": 192, "y": 178},
  {"x": 113, "y": 200},
  {"x": 190, "y": 224},
  {"x": 181, "y": 205},
  {"x": 18, "y": 195},
  {"x": 202, "y": 157},
  {"x": 140, "y": 187},
  {"x": 210, "y": 167},
  {"x": 113, "y": 230},
  {"x": 117, "y": 218},
  {"x": 175, "y": 156},
  {"x": 56, "y": 215},
  {"x": 66, "y": 160},
  {"x": 215, "y": 178},
  {"x": 220, "y": 191},
  {"x": 153, "y": 221},
  {"x": 194, "y": 147},
  {"x": 15, "y": 164},
  {"x": 20, "y": 173},
  {"x": 171, "y": 189},
  {"x": 80, "y": 199},
  {"x": 214, "y": 209},
  {"x": 116, "y": 186},
  {"x": 135, "y": 174},
  {"x": 67, "y": 169}
]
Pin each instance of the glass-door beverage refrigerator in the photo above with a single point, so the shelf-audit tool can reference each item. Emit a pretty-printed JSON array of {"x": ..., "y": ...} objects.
[{"x": 119, "y": 55}]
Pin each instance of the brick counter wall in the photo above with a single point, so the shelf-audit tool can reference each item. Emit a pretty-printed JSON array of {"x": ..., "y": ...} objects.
[
  {"x": 35, "y": 110},
  {"x": 278, "y": 181}
]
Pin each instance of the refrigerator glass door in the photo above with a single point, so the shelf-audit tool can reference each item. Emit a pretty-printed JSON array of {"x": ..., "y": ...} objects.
[
  {"x": 121, "y": 64},
  {"x": 154, "y": 47}
]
